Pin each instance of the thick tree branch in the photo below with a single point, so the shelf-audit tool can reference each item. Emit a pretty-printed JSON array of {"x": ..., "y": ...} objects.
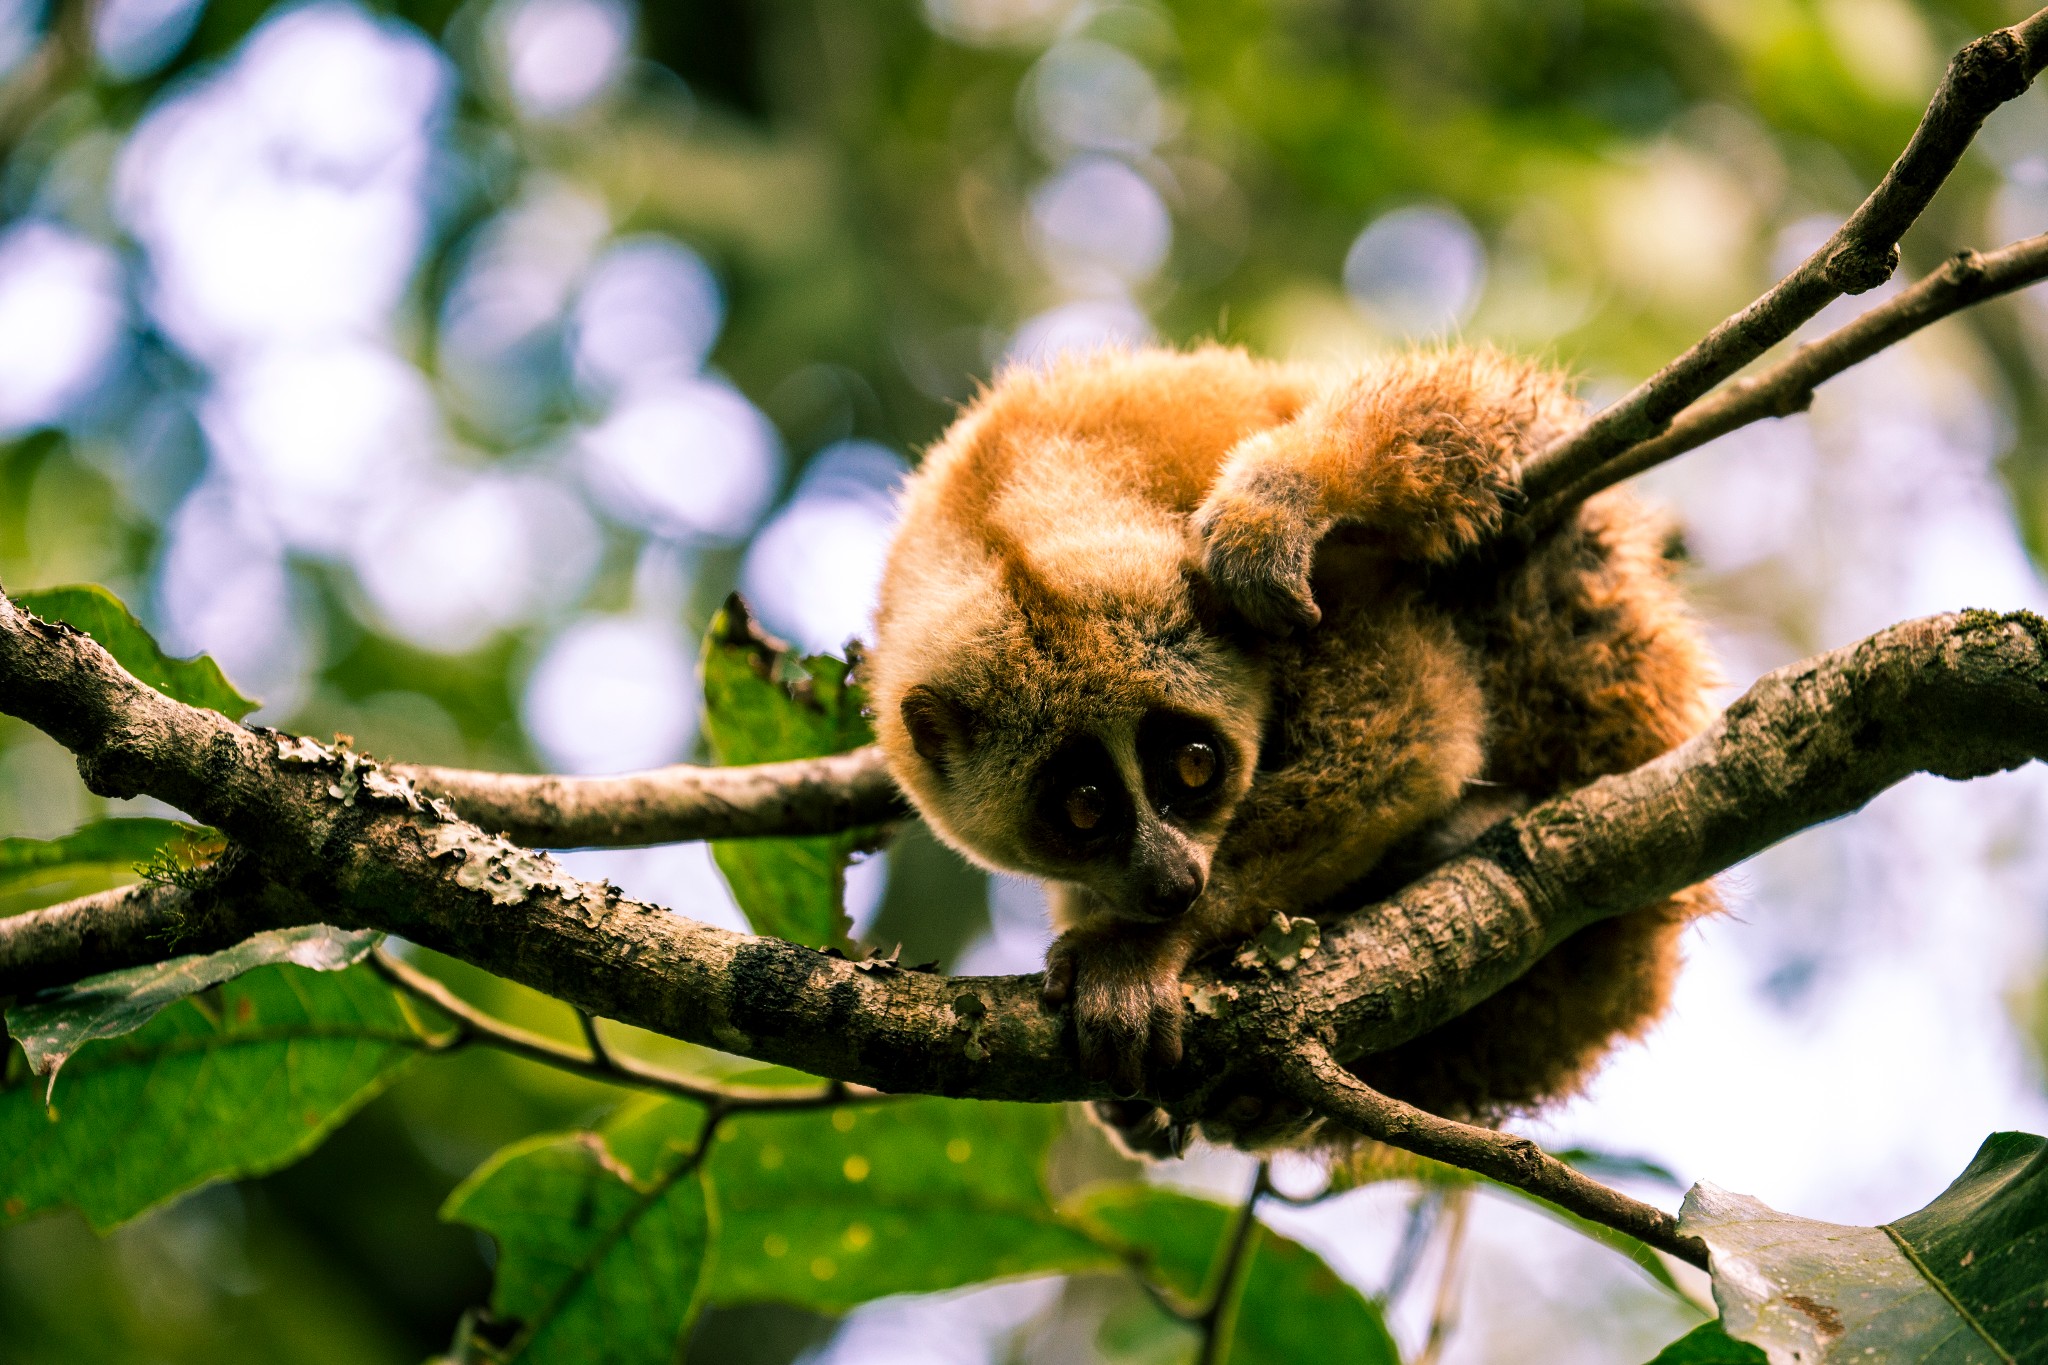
[
  {"x": 670, "y": 805},
  {"x": 1861, "y": 255},
  {"x": 1957, "y": 695},
  {"x": 349, "y": 844},
  {"x": 1787, "y": 386}
]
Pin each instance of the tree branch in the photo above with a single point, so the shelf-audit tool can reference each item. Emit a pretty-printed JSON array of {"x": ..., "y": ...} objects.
[
  {"x": 1959, "y": 695},
  {"x": 670, "y": 805},
  {"x": 1787, "y": 387},
  {"x": 350, "y": 844},
  {"x": 1313, "y": 1077},
  {"x": 1861, "y": 255}
]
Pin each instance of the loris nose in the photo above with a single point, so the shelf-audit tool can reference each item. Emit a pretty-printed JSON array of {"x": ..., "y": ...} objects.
[{"x": 1174, "y": 885}]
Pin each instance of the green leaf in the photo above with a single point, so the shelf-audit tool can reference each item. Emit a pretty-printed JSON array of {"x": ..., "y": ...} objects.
[
  {"x": 94, "y": 857},
  {"x": 1963, "y": 1280},
  {"x": 1707, "y": 1344},
  {"x": 600, "y": 1261},
  {"x": 223, "y": 1086},
  {"x": 197, "y": 681},
  {"x": 762, "y": 703},
  {"x": 1292, "y": 1306},
  {"x": 828, "y": 1209},
  {"x": 58, "y": 1022}
]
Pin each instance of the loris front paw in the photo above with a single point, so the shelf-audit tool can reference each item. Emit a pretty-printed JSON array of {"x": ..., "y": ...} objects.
[
  {"x": 1259, "y": 529},
  {"x": 1125, "y": 991}
]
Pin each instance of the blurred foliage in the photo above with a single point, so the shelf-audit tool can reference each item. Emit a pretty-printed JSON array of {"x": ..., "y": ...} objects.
[{"x": 861, "y": 176}]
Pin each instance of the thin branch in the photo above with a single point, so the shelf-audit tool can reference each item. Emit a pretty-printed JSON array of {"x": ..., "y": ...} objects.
[
  {"x": 1861, "y": 255},
  {"x": 599, "y": 1064},
  {"x": 1219, "y": 1314},
  {"x": 1450, "y": 1284},
  {"x": 1423, "y": 1211},
  {"x": 670, "y": 805},
  {"x": 1787, "y": 386},
  {"x": 592, "y": 1039},
  {"x": 1315, "y": 1079}
]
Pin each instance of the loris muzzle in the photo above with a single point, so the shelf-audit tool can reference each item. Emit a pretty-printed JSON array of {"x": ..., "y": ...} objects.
[{"x": 1172, "y": 632}]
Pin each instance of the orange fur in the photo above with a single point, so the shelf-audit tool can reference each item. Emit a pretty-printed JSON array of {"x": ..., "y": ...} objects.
[{"x": 1107, "y": 561}]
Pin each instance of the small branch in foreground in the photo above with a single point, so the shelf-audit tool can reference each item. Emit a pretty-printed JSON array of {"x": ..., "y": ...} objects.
[
  {"x": 670, "y": 805},
  {"x": 592, "y": 1039},
  {"x": 1787, "y": 387},
  {"x": 1861, "y": 255},
  {"x": 1311, "y": 1076},
  {"x": 1218, "y": 1316},
  {"x": 1450, "y": 1284},
  {"x": 600, "y": 1064}
]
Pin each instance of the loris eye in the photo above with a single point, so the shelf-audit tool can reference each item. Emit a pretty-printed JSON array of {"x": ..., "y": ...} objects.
[
  {"x": 1194, "y": 765},
  {"x": 1086, "y": 805}
]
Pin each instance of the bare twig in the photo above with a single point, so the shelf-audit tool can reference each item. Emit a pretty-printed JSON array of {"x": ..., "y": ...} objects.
[
  {"x": 600, "y": 1064},
  {"x": 670, "y": 805},
  {"x": 1450, "y": 1283},
  {"x": 1861, "y": 255},
  {"x": 592, "y": 1039},
  {"x": 1218, "y": 1317},
  {"x": 1787, "y": 386},
  {"x": 1312, "y": 1077}
]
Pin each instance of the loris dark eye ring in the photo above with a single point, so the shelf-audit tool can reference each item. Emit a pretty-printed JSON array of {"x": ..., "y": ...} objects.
[
  {"x": 1194, "y": 765},
  {"x": 1085, "y": 807}
]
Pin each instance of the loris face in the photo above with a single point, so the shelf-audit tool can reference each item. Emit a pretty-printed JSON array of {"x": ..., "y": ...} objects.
[{"x": 1110, "y": 759}]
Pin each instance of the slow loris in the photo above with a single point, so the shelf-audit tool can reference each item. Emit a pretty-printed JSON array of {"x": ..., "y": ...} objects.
[{"x": 1174, "y": 632}]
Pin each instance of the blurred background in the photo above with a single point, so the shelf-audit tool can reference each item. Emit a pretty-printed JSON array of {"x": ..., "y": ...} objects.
[{"x": 440, "y": 367}]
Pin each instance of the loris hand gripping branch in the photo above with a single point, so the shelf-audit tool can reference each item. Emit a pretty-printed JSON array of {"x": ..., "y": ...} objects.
[{"x": 1174, "y": 633}]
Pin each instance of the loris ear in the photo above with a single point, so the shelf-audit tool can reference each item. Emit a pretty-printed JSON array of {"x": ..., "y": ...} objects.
[{"x": 938, "y": 725}]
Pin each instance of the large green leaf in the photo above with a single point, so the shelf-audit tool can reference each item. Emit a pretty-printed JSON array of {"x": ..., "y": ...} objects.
[
  {"x": 1292, "y": 1306},
  {"x": 58, "y": 1022},
  {"x": 828, "y": 1209},
  {"x": 762, "y": 703},
  {"x": 1707, "y": 1344},
  {"x": 197, "y": 681},
  {"x": 94, "y": 857},
  {"x": 599, "y": 1260},
  {"x": 1963, "y": 1280},
  {"x": 231, "y": 1084}
]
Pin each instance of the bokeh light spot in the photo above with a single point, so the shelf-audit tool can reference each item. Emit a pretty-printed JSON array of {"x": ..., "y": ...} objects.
[{"x": 1417, "y": 271}]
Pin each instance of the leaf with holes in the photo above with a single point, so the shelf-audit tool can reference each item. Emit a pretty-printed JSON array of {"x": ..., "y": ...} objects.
[
  {"x": 827, "y": 1209},
  {"x": 1962, "y": 1281},
  {"x": 601, "y": 1239},
  {"x": 59, "y": 1022},
  {"x": 762, "y": 703},
  {"x": 197, "y": 681},
  {"x": 237, "y": 1082},
  {"x": 1292, "y": 1306},
  {"x": 94, "y": 857}
]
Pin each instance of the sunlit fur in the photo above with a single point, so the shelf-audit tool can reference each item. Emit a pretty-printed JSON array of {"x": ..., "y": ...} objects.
[{"x": 1263, "y": 546}]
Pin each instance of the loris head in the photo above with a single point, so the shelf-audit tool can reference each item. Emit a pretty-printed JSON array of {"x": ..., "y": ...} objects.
[{"x": 1067, "y": 714}]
